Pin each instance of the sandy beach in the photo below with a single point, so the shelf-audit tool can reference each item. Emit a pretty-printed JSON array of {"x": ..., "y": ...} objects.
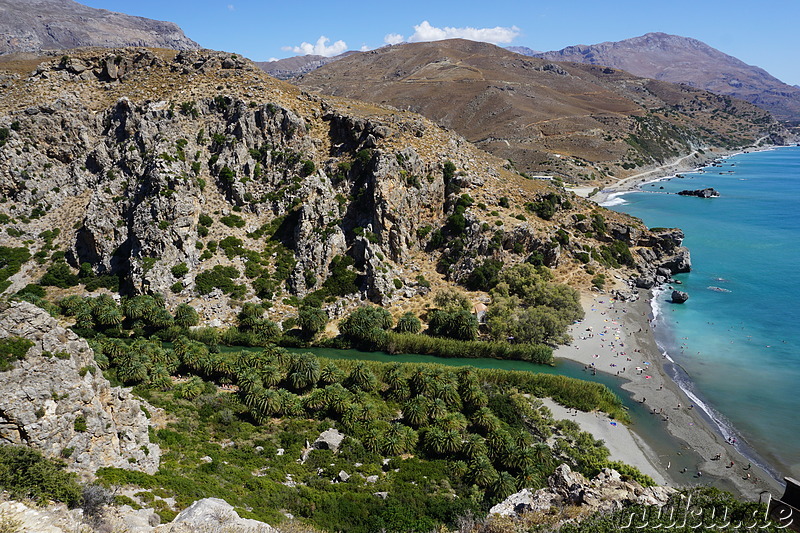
[{"x": 615, "y": 338}]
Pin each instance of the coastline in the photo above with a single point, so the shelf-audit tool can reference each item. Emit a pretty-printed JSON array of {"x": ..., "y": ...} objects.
[
  {"x": 616, "y": 337},
  {"x": 688, "y": 163}
]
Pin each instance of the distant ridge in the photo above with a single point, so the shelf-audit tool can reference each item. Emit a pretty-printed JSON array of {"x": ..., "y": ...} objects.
[
  {"x": 292, "y": 67},
  {"x": 33, "y": 25},
  {"x": 684, "y": 60}
]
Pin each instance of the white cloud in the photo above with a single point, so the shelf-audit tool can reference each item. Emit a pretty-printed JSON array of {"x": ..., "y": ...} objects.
[
  {"x": 320, "y": 48},
  {"x": 393, "y": 38},
  {"x": 230, "y": 7},
  {"x": 425, "y": 32}
]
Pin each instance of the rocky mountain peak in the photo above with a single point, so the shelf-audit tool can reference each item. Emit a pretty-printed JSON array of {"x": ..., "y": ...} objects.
[
  {"x": 685, "y": 60},
  {"x": 33, "y": 25}
]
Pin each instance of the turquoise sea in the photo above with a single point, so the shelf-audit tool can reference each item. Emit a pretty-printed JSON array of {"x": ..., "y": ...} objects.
[{"x": 736, "y": 342}]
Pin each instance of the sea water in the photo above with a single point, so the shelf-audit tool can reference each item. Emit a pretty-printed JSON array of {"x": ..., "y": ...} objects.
[{"x": 738, "y": 335}]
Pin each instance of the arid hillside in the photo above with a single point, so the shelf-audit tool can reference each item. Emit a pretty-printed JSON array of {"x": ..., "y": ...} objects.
[{"x": 579, "y": 122}]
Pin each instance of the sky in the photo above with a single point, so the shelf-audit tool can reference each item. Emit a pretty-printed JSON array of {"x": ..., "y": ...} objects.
[{"x": 763, "y": 34}]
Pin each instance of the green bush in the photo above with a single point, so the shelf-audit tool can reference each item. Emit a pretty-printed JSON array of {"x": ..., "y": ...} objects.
[
  {"x": 233, "y": 221},
  {"x": 205, "y": 220},
  {"x": 13, "y": 349},
  {"x": 220, "y": 277},
  {"x": 25, "y": 473},
  {"x": 59, "y": 274},
  {"x": 11, "y": 260},
  {"x": 180, "y": 270}
]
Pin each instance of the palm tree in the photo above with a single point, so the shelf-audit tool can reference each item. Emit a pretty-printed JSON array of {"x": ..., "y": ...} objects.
[
  {"x": 271, "y": 375},
  {"x": 449, "y": 393},
  {"x": 438, "y": 409},
  {"x": 435, "y": 440},
  {"x": 503, "y": 486},
  {"x": 107, "y": 315},
  {"x": 455, "y": 421},
  {"x": 159, "y": 378},
  {"x": 186, "y": 316},
  {"x": 192, "y": 388},
  {"x": 373, "y": 439},
  {"x": 290, "y": 403},
  {"x": 473, "y": 446},
  {"x": 481, "y": 472},
  {"x": 452, "y": 441},
  {"x": 330, "y": 373},
  {"x": 415, "y": 411},
  {"x": 485, "y": 420},
  {"x": 361, "y": 378},
  {"x": 338, "y": 398},
  {"x": 315, "y": 401},
  {"x": 304, "y": 371}
]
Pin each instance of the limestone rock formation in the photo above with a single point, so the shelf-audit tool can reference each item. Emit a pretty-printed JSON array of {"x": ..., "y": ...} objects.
[
  {"x": 212, "y": 514},
  {"x": 605, "y": 492},
  {"x": 56, "y": 400}
]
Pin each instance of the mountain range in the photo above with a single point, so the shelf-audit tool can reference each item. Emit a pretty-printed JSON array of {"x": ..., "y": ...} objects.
[
  {"x": 32, "y": 25},
  {"x": 683, "y": 60},
  {"x": 571, "y": 120}
]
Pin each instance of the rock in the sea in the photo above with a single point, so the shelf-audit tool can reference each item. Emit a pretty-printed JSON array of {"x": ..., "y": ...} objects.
[
  {"x": 679, "y": 297},
  {"x": 701, "y": 193},
  {"x": 56, "y": 400},
  {"x": 606, "y": 492}
]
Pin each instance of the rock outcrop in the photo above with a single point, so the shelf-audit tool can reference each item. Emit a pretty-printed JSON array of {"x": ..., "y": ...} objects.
[
  {"x": 56, "y": 400},
  {"x": 708, "y": 192},
  {"x": 210, "y": 515},
  {"x": 605, "y": 492}
]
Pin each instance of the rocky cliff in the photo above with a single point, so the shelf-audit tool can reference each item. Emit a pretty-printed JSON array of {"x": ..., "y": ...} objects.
[
  {"x": 57, "y": 400},
  {"x": 135, "y": 162},
  {"x": 32, "y": 25}
]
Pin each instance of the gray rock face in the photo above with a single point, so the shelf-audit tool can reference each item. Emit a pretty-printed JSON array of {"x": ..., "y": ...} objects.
[
  {"x": 606, "y": 492},
  {"x": 31, "y": 25},
  {"x": 679, "y": 297},
  {"x": 62, "y": 405}
]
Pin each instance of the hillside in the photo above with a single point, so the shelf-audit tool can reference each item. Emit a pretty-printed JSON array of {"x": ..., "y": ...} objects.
[
  {"x": 683, "y": 60},
  {"x": 135, "y": 162},
  {"x": 32, "y": 25},
  {"x": 575, "y": 121}
]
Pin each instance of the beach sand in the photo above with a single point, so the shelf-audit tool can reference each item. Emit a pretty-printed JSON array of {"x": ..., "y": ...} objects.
[
  {"x": 620, "y": 440},
  {"x": 615, "y": 338}
]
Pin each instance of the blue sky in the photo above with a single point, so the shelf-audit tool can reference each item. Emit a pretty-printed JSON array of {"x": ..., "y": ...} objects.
[{"x": 763, "y": 34}]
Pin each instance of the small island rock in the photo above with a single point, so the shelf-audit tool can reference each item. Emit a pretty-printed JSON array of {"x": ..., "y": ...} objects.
[
  {"x": 679, "y": 297},
  {"x": 701, "y": 193}
]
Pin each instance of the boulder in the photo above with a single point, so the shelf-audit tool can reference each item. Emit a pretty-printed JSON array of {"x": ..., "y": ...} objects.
[
  {"x": 330, "y": 439},
  {"x": 679, "y": 297},
  {"x": 212, "y": 514}
]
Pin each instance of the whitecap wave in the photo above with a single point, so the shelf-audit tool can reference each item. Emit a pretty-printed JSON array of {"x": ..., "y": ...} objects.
[{"x": 614, "y": 199}]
